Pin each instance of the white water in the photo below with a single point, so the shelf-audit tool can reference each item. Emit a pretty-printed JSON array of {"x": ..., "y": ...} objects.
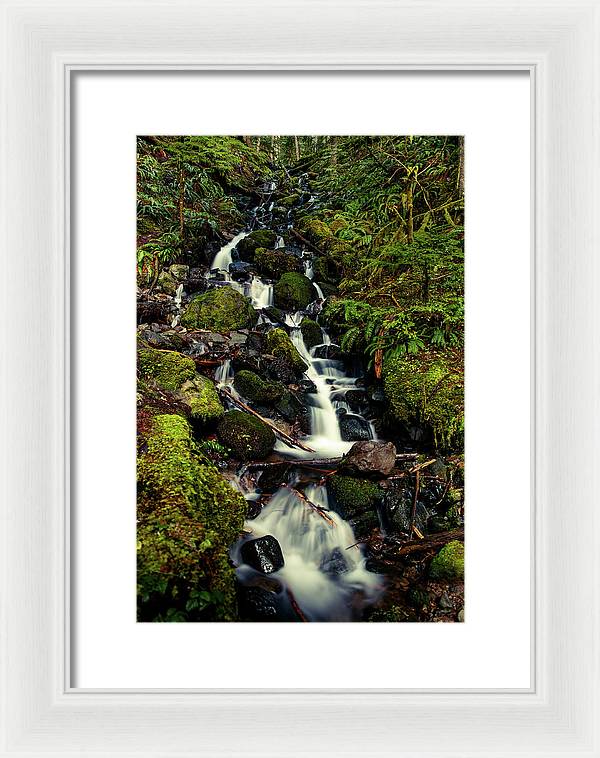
[
  {"x": 222, "y": 259},
  {"x": 261, "y": 293},
  {"x": 309, "y": 542}
]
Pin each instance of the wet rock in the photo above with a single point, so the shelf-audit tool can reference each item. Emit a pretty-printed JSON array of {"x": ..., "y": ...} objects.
[
  {"x": 354, "y": 428},
  {"x": 161, "y": 340},
  {"x": 377, "y": 395},
  {"x": 273, "y": 477},
  {"x": 246, "y": 248},
  {"x": 307, "y": 386},
  {"x": 293, "y": 292},
  {"x": 274, "y": 263},
  {"x": 196, "y": 281},
  {"x": 291, "y": 407},
  {"x": 254, "y": 509},
  {"x": 238, "y": 338},
  {"x": 257, "y": 604},
  {"x": 356, "y": 399},
  {"x": 369, "y": 458},
  {"x": 444, "y": 602},
  {"x": 329, "y": 352},
  {"x": 335, "y": 563},
  {"x": 311, "y": 332},
  {"x": 263, "y": 554},
  {"x": 240, "y": 271},
  {"x": 275, "y": 315}
]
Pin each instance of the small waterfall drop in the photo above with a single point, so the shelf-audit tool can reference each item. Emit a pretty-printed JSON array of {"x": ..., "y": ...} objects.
[
  {"x": 223, "y": 258},
  {"x": 324, "y": 568}
]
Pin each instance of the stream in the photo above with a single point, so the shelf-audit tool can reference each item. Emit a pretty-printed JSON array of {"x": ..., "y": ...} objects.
[{"x": 324, "y": 576}]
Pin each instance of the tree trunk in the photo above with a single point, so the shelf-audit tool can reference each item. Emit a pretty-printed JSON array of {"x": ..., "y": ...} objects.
[
  {"x": 181, "y": 200},
  {"x": 297, "y": 146}
]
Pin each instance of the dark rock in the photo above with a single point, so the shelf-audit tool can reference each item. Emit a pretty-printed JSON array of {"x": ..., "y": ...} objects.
[
  {"x": 293, "y": 410},
  {"x": 257, "y": 604},
  {"x": 246, "y": 436},
  {"x": 238, "y": 338},
  {"x": 354, "y": 428},
  {"x": 311, "y": 333},
  {"x": 254, "y": 509},
  {"x": 335, "y": 563},
  {"x": 307, "y": 386},
  {"x": 369, "y": 458},
  {"x": 329, "y": 352},
  {"x": 276, "y": 315},
  {"x": 444, "y": 602},
  {"x": 240, "y": 271},
  {"x": 356, "y": 399},
  {"x": 263, "y": 554},
  {"x": 273, "y": 477},
  {"x": 377, "y": 395},
  {"x": 196, "y": 281},
  {"x": 161, "y": 340}
]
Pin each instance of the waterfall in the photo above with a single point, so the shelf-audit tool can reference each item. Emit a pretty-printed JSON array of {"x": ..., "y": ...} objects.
[
  {"x": 260, "y": 293},
  {"x": 224, "y": 374},
  {"x": 324, "y": 568},
  {"x": 222, "y": 259}
]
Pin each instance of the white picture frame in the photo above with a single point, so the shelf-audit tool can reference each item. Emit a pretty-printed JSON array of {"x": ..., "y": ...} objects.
[{"x": 44, "y": 43}]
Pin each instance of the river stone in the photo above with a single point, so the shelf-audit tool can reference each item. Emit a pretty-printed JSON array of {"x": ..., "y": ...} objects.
[
  {"x": 240, "y": 271},
  {"x": 369, "y": 458},
  {"x": 180, "y": 271},
  {"x": 257, "y": 604},
  {"x": 334, "y": 563},
  {"x": 354, "y": 428},
  {"x": 263, "y": 554}
]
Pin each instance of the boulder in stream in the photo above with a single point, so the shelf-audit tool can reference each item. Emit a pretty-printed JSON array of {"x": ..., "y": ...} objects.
[
  {"x": 246, "y": 436},
  {"x": 263, "y": 554},
  {"x": 293, "y": 292},
  {"x": 369, "y": 458},
  {"x": 222, "y": 309},
  {"x": 274, "y": 263},
  {"x": 354, "y": 428},
  {"x": 246, "y": 248}
]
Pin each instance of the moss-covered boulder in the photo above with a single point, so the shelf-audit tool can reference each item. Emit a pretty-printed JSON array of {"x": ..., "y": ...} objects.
[
  {"x": 256, "y": 390},
  {"x": 167, "y": 368},
  {"x": 167, "y": 283},
  {"x": 293, "y": 292},
  {"x": 264, "y": 238},
  {"x": 221, "y": 309},
  {"x": 328, "y": 269},
  {"x": 289, "y": 200},
  {"x": 449, "y": 563},
  {"x": 245, "y": 435},
  {"x": 316, "y": 231},
  {"x": 281, "y": 346},
  {"x": 427, "y": 390},
  {"x": 311, "y": 333},
  {"x": 201, "y": 395},
  {"x": 274, "y": 263},
  {"x": 356, "y": 500},
  {"x": 188, "y": 516}
]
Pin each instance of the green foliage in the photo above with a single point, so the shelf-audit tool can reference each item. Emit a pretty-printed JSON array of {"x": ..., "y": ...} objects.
[
  {"x": 245, "y": 435},
  {"x": 188, "y": 516},
  {"x": 428, "y": 389},
  {"x": 449, "y": 563},
  {"x": 281, "y": 346},
  {"x": 221, "y": 309},
  {"x": 167, "y": 368}
]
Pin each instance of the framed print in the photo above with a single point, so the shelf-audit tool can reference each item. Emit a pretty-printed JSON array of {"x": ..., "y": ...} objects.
[{"x": 274, "y": 206}]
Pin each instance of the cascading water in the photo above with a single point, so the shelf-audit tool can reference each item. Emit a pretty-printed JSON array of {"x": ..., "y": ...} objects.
[{"x": 324, "y": 570}]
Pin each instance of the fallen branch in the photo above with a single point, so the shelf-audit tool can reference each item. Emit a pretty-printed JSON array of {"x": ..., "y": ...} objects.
[
  {"x": 314, "y": 248},
  {"x": 413, "y": 512},
  {"x": 295, "y": 606},
  {"x": 318, "y": 462},
  {"x": 317, "y": 508},
  {"x": 285, "y": 437},
  {"x": 431, "y": 541}
]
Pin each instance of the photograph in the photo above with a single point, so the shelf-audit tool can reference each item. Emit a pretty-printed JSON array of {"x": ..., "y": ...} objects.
[{"x": 300, "y": 378}]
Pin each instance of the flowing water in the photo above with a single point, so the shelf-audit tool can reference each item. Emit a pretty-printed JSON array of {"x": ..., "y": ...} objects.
[{"x": 324, "y": 570}]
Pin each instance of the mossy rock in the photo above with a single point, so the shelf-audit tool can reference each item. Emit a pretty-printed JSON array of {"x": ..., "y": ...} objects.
[
  {"x": 221, "y": 310},
  {"x": 201, "y": 395},
  {"x": 311, "y": 333},
  {"x": 316, "y": 231},
  {"x": 264, "y": 238},
  {"x": 449, "y": 563},
  {"x": 257, "y": 390},
  {"x": 356, "y": 499},
  {"x": 245, "y": 435},
  {"x": 327, "y": 269},
  {"x": 428, "y": 390},
  {"x": 168, "y": 368},
  {"x": 293, "y": 292},
  {"x": 188, "y": 517},
  {"x": 289, "y": 200},
  {"x": 274, "y": 263},
  {"x": 281, "y": 346},
  {"x": 167, "y": 283},
  {"x": 180, "y": 271}
]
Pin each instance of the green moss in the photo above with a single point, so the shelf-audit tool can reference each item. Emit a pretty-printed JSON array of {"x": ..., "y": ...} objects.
[
  {"x": 188, "y": 516},
  {"x": 221, "y": 309},
  {"x": 167, "y": 283},
  {"x": 293, "y": 292},
  {"x": 328, "y": 269},
  {"x": 316, "y": 231},
  {"x": 167, "y": 367},
  {"x": 280, "y": 345},
  {"x": 428, "y": 389},
  {"x": 289, "y": 200},
  {"x": 200, "y": 394},
  {"x": 264, "y": 238},
  {"x": 449, "y": 563},
  {"x": 274, "y": 263},
  {"x": 311, "y": 333},
  {"x": 245, "y": 435},
  {"x": 355, "y": 497},
  {"x": 255, "y": 389}
]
